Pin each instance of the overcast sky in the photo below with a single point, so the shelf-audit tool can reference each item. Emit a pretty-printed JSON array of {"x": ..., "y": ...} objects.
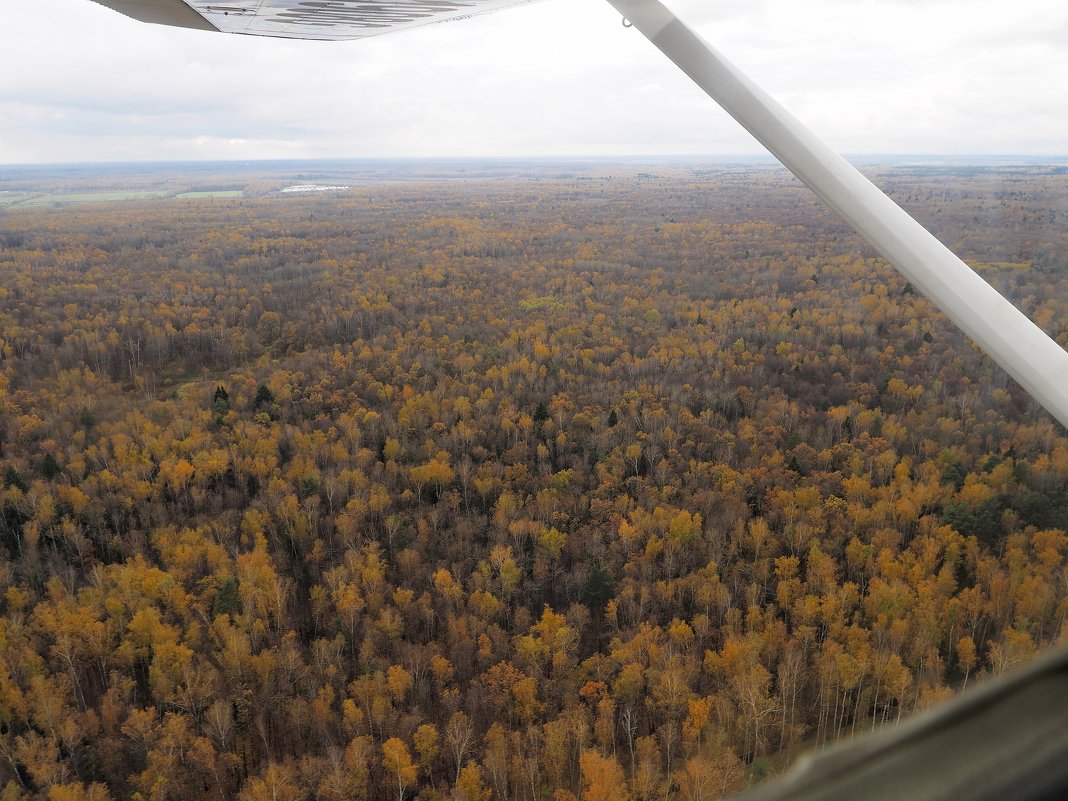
[{"x": 79, "y": 82}]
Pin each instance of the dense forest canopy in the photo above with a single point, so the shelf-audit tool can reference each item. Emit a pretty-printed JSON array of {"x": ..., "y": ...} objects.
[{"x": 622, "y": 484}]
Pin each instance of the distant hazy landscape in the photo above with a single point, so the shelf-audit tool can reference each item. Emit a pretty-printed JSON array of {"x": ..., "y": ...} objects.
[{"x": 24, "y": 186}]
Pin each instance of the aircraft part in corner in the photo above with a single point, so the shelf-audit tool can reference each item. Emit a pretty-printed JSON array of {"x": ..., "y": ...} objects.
[
  {"x": 161, "y": 12},
  {"x": 306, "y": 19}
]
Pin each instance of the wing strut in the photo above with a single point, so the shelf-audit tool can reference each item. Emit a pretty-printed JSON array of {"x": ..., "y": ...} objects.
[{"x": 1038, "y": 363}]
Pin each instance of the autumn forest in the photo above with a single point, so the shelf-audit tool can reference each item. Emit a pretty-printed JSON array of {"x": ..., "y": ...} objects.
[{"x": 574, "y": 483}]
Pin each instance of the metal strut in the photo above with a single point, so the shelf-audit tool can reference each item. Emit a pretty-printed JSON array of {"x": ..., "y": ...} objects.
[{"x": 1026, "y": 353}]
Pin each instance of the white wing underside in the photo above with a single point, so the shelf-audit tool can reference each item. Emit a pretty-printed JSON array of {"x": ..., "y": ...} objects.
[{"x": 306, "y": 19}]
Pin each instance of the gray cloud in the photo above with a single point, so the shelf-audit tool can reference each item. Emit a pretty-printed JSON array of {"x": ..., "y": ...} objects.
[{"x": 78, "y": 82}]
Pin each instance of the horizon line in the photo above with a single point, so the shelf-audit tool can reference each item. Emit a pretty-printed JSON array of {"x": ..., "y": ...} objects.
[{"x": 955, "y": 158}]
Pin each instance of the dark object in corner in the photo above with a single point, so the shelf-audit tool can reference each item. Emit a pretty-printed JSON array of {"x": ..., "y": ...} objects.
[{"x": 1006, "y": 740}]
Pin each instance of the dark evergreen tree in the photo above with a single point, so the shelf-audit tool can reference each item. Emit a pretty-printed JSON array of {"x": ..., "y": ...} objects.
[
  {"x": 220, "y": 402},
  {"x": 226, "y": 598},
  {"x": 264, "y": 397},
  {"x": 599, "y": 586},
  {"x": 50, "y": 467}
]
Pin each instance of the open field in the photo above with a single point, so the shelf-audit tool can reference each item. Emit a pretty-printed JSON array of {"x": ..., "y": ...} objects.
[
  {"x": 62, "y": 199},
  {"x": 223, "y": 193},
  {"x": 51, "y": 199}
]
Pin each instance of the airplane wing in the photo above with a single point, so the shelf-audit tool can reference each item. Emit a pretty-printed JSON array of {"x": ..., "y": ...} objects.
[
  {"x": 1003, "y": 739},
  {"x": 330, "y": 20}
]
